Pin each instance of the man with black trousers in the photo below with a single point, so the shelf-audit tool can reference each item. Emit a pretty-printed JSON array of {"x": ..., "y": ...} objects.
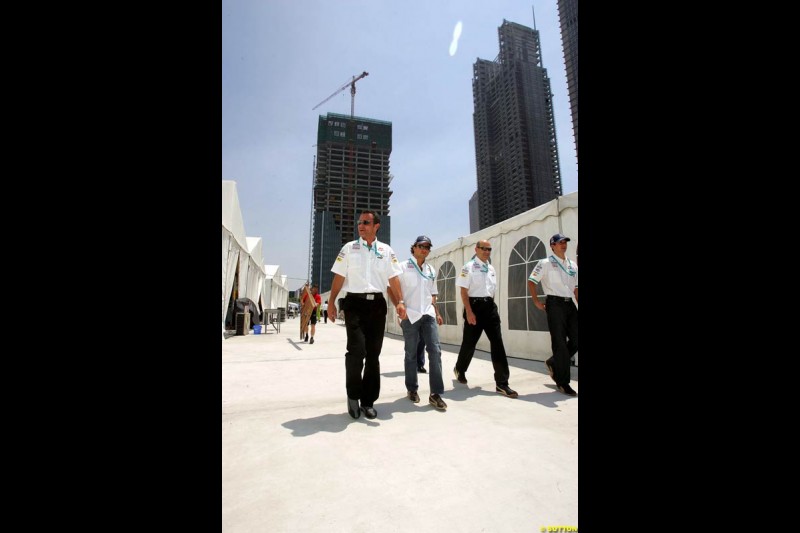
[
  {"x": 558, "y": 276},
  {"x": 478, "y": 283},
  {"x": 364, "y": 268}
]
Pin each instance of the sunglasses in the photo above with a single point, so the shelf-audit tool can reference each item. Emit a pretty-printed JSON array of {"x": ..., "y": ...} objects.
[
  {"x": 485, "y": 248},
  {"x": 424, "y": 246},
  {"x": 364, "y": 222}
]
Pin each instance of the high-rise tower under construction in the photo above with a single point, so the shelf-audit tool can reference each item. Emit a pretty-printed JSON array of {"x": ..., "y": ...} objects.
[
  {"x": 568, "y": 20},
  {"x": 351, "y": 175},
  {"x": 516, "y": 154}
]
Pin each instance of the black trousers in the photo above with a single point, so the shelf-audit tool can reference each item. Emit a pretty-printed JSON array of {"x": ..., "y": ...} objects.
[
  {"x": 562, "y": 321},
  {"x": 486, "y": 319},
  {"x": 365, "y": 322}
]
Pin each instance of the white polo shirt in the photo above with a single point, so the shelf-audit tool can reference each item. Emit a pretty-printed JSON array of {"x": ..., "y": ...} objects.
[
  {"x": 478, "y": 278},
  {"x": 557, "y": 277},
  {"x": 419, "y": 287},
  {"x": 366, "y": 269}
]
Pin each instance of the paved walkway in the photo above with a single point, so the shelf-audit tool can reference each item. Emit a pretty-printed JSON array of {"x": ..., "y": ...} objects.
[{"x": 293, "y": 460}]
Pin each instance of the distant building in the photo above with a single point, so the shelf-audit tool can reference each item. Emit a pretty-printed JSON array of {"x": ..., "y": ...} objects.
[
  {"x": 351, "y": 175},
  {"x": 473, "y": 213},
  {"x": 568, "y": 20},
  {"x": 516, "y": 154}
]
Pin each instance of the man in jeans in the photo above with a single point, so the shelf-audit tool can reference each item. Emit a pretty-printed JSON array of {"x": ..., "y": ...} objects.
[{"x": 422, "y": 322}]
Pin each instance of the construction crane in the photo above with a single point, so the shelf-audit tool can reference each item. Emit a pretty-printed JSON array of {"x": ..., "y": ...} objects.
[
  {"x": 348, "y": 191},
  {"x": 352, "y": 84}
]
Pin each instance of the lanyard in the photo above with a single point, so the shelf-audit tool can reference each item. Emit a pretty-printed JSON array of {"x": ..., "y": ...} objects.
[
  {"x": 484, "y": 267},
  {"x": 570, "y": 271},
  {"x": 373, "y": 248},
  {"x": 421, "y": 273}
]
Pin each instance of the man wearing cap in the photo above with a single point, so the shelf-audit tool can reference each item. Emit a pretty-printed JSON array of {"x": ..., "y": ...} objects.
[
  {"x": 422, "y": 321},
  {"x": 478, "y": 282},
  {"x": 558, "y": 276},
  {"x": 364, "y": 268}
]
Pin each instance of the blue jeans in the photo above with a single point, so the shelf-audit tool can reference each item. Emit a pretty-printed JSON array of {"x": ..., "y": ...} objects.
[
  {"x": 427, "y": 328},
  {"x": 421, "y": 352}
]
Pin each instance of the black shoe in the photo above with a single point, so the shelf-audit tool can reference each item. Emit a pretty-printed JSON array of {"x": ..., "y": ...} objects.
[
  {"x": 505, "y": 390},
  {"x": 460, "y": 376},
  {"x": 436, "y": 401},
  {"x": 352, "y": 408},
  {"x": 566, "y": 389},
  {"x": 413, "y": 396},
  {"x": 311, "y": 341},
  {"x": 549, "y": 369},
  {"x": 422, "y": 370},
  {"x": 306, "y": 339},
  {"x": 369, "y": 411}
]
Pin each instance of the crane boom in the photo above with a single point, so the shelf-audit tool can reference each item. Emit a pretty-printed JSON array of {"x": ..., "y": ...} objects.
[
  {"x": 349, "y": 191},
  {"x": 352, "y": 84}
]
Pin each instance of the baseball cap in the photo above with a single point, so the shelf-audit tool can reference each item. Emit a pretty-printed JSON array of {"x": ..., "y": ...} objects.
[
  {"x": 558, "y": 237},
  {"x": 423, "y": 238}
]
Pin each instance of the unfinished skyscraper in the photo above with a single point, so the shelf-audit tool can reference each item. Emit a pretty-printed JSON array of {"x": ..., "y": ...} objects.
[
  {"x": 351, "y": 175},
  {"x": 568, "y": 20},
  {"x": 516, "y": 154}
]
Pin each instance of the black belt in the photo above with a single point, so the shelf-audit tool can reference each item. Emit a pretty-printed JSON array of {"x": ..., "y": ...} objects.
[
  {"x": 480, "y": 299},
  {"x": 558, "y": 298},
  {"x": 365, "y": 295}
]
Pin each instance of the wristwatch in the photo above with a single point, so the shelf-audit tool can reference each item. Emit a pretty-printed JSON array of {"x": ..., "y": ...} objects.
[{"x": 400, "y": 302}]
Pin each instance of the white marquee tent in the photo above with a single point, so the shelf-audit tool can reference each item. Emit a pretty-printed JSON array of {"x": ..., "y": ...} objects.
[
  {"x": 242, "y": 260},
  {"x": 276, "y": 290},
  {"x": 517, "y": 244}
]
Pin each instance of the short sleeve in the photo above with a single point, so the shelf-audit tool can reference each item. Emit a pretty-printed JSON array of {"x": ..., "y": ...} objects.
[{"x": 340, "y": 264}]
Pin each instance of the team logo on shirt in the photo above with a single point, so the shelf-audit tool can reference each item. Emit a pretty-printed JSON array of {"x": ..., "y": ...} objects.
[
  {"x": 356, "y": 246},
  {"x": 394, "y": 258},
  {"x": 340, "y": 257},
  {"x": 465, "y": 272}
]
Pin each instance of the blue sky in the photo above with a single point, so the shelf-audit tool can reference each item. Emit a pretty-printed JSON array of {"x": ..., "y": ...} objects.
[{"x": 280, "y": 58}]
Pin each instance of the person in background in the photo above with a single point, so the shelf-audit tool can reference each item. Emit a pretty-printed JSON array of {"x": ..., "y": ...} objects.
[
  {"x": 478, "y": 283},
  {"x": 314, "y": 313},
  {"x": 325, "y": 311},
  {"x": 364, "y": 268},
  {"x": 558, "y": 276},
  {"x": 422, "y": 321}
]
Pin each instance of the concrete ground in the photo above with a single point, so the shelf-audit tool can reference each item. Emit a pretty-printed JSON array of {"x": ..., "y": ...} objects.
[{"x": 293, "y": 460}]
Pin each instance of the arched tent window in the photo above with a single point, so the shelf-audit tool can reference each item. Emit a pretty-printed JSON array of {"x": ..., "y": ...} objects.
[
  {"x": 522, "y": 314},
  {"x": 446, "y": 299}
]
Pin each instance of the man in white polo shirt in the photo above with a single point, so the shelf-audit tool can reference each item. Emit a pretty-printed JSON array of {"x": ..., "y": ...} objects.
[
  {"x": 478, "y": 283},
  {"x": 558, "y": 276},
  {"x": 422, "y": 322},
  {"x": 364, "y": 268}
]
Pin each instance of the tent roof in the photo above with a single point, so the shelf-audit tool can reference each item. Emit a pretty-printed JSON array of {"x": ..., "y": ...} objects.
[
  {"x": 551, "y": 208},
  {"x": 271, "y": 270},
  {"x": 231, "y": 212},
  {"x": 254, "y": 249}
]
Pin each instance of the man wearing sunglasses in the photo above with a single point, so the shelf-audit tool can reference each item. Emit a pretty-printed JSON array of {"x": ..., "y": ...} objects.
[
  {"x": 478, "y": 283},
  {"x": 364, "y": 268},
  {"x": 558, "y": 276}
]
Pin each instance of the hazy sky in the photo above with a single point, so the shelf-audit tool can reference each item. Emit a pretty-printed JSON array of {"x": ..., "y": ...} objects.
[{"x": 280, "y": 58}]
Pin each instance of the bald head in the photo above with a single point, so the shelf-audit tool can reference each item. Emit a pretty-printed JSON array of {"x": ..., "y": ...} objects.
[{"x": 483, "y": 249}]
